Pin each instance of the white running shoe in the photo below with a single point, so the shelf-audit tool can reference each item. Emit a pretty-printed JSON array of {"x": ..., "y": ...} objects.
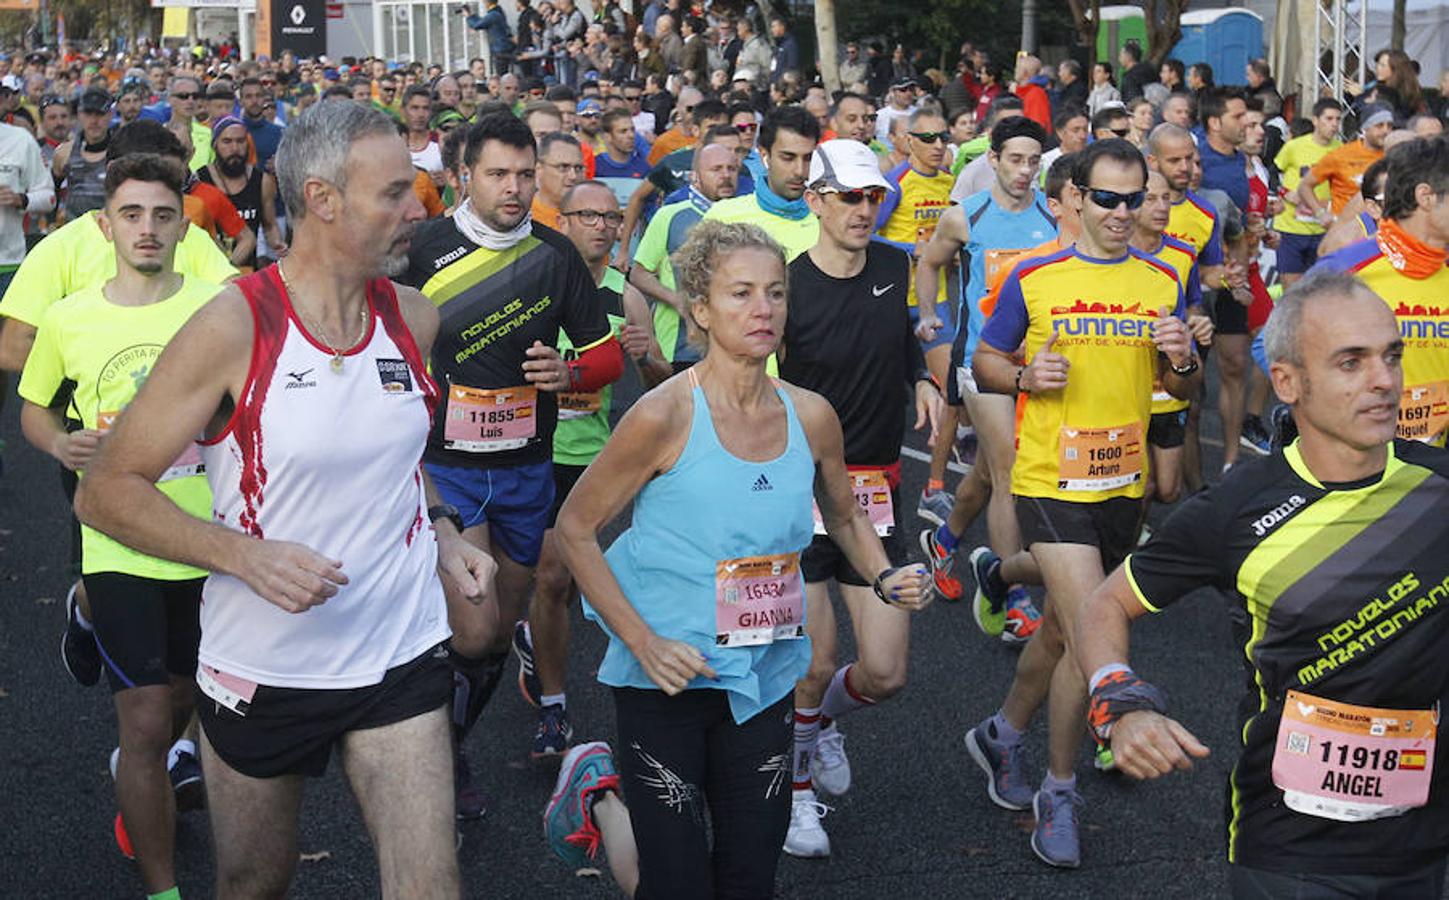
[
  {"x": 806, "y": 838},
  {"x": 829, "y": 766}
]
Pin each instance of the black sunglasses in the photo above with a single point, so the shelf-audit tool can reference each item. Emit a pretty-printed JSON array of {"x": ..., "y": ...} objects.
[
  {"x": 184, "y": 95},
  {"x": 1120, "y": 132},
  {"x": 854, "y": 197},
  {"x": 1112, "y": 199},
  {"x": 931, "y": 137}
]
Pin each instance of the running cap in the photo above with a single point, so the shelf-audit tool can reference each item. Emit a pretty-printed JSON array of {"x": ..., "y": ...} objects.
[
  {"x": 845, "y": 165},
  {"x": 95, "y": 100}
]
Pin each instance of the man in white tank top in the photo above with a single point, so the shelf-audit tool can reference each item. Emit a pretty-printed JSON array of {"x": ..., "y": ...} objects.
[{"x": 324, "y": 613}]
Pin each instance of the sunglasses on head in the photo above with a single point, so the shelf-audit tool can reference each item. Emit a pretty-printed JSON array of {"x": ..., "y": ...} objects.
[
  {"x": 1111, "y": 199},
  {"x": 854, "y": 197},
  {"x": 931, "y": 137}
]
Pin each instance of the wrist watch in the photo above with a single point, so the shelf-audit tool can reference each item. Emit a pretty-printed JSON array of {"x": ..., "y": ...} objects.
[
  {"x": 1186, "y": 370},
  {"x": 446, "y": 511}
]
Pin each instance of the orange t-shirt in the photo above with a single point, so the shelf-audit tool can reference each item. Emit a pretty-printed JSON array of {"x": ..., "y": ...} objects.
[
  {"x": 220, "y": 213},
  {"x": 668, "y": 142},
  {"x": 194, "y": 208},
  {"x": 428, "y": 194},
  {"x": 994, "y": 283},
  {"x": 544, "y": 214},
  {"x": 1342, "y": 168}
]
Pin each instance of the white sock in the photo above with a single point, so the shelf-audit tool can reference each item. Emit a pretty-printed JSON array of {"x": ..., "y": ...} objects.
[
  {"x": 182, "y": 746},
  {"x": 553, "y": 700},
  {"x": 839, "y": 698},
  {"x": 807, "y": 732},
  {"x": 964, "y": 430}
]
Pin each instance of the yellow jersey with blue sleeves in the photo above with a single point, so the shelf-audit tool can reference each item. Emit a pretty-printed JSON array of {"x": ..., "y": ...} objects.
[
  {"x": 1194, "y": 221},
  {"x": 1183, "y": 261},
  {"x": 1086, "y": 442},
  {"x": 912, "y": 208}
]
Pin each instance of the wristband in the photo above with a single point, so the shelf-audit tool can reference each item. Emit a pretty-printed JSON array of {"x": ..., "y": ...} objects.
[
  {"x": 878, "y": 587},
  {"x": 575, "y": 375},
  {"x": 1020, "y": 389},
  {"x": 1117, "y": 693}
]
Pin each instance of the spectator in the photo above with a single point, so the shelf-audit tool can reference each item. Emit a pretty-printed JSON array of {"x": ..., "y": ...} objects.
[
  {"x": 724, "y": 49},
  {"x": 568, "y": 26},
  {"x": 1172, "y": 75},
  {"x": 1112, "y": 122},
  {"x": 786, "y": 57},
  {"x": 1260, "y": 77},
  {"x": 694, "y": 63},
  {"x": 1179, "y": 110},
  {"x": 878, "y": 78},
  {"x": 1104, "y": 90},
  {"x": 500, "y": 38},
  {"x": 1199, "y": 77},
  {"x": 1072, "y": 89},
  {"x": 1136, "y": 74},
  {"x": 1143, "y": 118},
  {"x": 668, "y": 44},
  {"x": 852, "y": 68},
  {"x": 755, "y": 55},
  {"x": 1029, "y": 88},
  {"x": 900, "y": 103}
]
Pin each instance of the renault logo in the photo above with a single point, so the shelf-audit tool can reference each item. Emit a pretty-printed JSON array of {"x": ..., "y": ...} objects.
[{"x": 298, "y": 14}]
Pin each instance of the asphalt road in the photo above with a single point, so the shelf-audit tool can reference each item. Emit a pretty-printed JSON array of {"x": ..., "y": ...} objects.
[{"x": 917, "y": 820}]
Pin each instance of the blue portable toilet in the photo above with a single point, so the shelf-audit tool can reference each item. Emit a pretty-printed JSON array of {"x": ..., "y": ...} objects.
[{"x": 1226, "y": 39}]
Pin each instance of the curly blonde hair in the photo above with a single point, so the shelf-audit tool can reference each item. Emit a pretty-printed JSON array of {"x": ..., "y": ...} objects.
[{"x": 694, "y": 263}]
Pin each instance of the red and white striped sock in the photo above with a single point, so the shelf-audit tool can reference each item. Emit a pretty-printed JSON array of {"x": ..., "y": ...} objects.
[
  {"x": 840, "y": 697},
  {"x": 807, "y": 731}
]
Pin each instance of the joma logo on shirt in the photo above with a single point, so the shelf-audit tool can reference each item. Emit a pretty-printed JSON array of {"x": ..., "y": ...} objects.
[
  {"x": 1272, "y": 517},
  {"x": 449, "y": 257}
]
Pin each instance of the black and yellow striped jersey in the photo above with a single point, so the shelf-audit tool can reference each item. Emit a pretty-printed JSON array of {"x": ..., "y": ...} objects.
[{"x": 1345, "y": 590}]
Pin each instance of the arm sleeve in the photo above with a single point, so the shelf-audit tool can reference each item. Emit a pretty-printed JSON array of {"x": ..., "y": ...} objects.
[
  {"x": 1006, "y": 328},
  {"x": 1182, "y": 556},
  {"x": 1212, "y": 252},
  {"x": 44, "y": 374},
  {"x": 599, "y": 366}
]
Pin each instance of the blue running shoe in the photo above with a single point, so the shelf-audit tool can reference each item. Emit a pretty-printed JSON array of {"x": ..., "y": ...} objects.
[
  {"x": 528, "y": 684},
  {"x": 1055, "y": 839},
  {"x": 554, "y": 732},
  {"x": 935, "y": 506},
  {"x": 1022, "y": 617},
  {"x": 568, "y": 820},
  {"x": 1004, "y": 766},
  {"x": 988, "y": 607},
  {"x": 947, "y": 584}
]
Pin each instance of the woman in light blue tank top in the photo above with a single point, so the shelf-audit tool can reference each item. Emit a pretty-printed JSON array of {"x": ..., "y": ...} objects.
[{"x": 702, "y": 598}]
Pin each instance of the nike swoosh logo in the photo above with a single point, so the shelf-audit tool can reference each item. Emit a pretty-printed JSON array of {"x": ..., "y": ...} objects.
[{"x": 880, "y": 291}]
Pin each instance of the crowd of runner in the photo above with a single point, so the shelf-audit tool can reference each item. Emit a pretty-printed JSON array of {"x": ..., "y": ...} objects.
[{"x": 205, "y": 261}]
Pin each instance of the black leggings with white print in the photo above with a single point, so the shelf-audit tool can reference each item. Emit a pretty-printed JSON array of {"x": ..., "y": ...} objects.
[{"x": 690, "y": 772}]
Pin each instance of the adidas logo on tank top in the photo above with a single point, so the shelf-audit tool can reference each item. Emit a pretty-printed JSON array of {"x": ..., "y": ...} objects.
[{"x": 762, "y": 484}]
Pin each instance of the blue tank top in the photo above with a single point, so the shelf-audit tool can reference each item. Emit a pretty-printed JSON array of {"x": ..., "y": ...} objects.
[
  {"x": 994, "y": 228},
  {"x": 711, "y": 506}
]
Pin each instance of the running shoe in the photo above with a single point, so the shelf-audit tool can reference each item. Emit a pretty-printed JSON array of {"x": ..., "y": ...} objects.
[
  {"x": 1255, "y": 437},
  {"x": 1144, "y": 535},
  {"x": 988, "y": 607},
  {"x": 568, "y": 819},
  {"x": 1022, "y": 617},
  {"x": 1055, "y": 839},
  {"x": 947, "y": 585},
  {"x": 964, "y": 449},
  {"x": 468, "y": 798},
  {"x": 935, "y": 506},
  {"x": 806, "y": 838},
  {"x": 1103, "y": 761},
  {"x": 554, "y": 732},
  {"x": 1004, "y": 766},
  {"x": 528, "y": 684},
  {"x": 78, "y": 651},
  {"x": 829, "y": 766},
  {"x": 186, "y": 782}
]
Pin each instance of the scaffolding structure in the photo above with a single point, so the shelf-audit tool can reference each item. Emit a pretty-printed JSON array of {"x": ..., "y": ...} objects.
[
  {"x": 427, "y": 31},
  {"x": 1340, "y": 32}
]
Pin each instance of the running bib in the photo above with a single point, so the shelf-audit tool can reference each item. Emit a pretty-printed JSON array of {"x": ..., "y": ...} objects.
[
  {"x": 758, "y": 600},
  {"x": 579, "y": 406},
  {"x": 999, "y": 262},
  {"x": 1353, "y": 763},
  {"x": 187, "y": 464},
  {"x": 1100, "y": 459},
  {"x": 1424, "y": 411},
  {"x": 227, "y": 690},
  {"x": 486, "y": 421},
  {"x": 873, "y": 494}
]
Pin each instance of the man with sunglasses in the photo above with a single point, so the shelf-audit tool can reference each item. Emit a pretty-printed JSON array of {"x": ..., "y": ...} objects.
[
  {"x": 991, "y": 230},
  {"x": 849, "y": 337},
  {"x": 1110, "y": 122},
  {"x": 1086, "y": 392},
  {"x": 787, "y": 139},
  {"x": 184, "y": 100},
  {"x": 920, "y": 192}
]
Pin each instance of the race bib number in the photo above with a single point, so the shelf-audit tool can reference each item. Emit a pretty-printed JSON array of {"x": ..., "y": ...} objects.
[
  {"x": 187, "y": 464},
  {"x": 579, "y": 406},
  {"x": 1353, "y": 763},
  {"x": 873, "y": 494},
  {"x": 758, "y": 600},
  {"x": 1424, "y": 411},
  {"x": 486, "y": 421},
  {"x": 231, "y": 691},
  {"x": 999, "y": 262},
  {"x": 1100, "y": 459}
]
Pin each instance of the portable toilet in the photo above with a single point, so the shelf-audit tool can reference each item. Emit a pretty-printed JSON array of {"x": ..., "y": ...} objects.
[
  {"x": 1226, "y": 39},
  {"x": 1118, "y": 25}
]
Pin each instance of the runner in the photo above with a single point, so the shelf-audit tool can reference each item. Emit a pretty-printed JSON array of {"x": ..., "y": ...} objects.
[
  {"x": 920, "y": 193},
  {"x": 990, "y": 230},
  {"x": 716, "y": 172},
  {"x": 1302, "y": 231},
  {"x": 250, "y": 189},
  {"x": 848, "y": 336},
  {"x": 505, "y": 288},
  {"x": 560, "y": 167},
  {"x": 626, "y": 154},
  {"x": 1350, "y": 229},
  {"x": 81, "y": 175},
  {"x": 1322, "y": 802},
  {"x": 590, "y": 218},
  {"x": 705, "y": 649},
  {"x": 290, "y": 471},
  {"x": 787, "y": 138},
  {"x": 1078, "y": 475},
  {"x": 1342, "y": 168},
  {"x": 1405, "y": 263},
  {"x": 92, "y": 352}
]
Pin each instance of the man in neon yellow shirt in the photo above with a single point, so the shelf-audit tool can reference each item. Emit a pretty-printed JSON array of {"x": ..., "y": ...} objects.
[
  {"x": 1301, "y": 233},
  {"x": 104, "y": 340},
  {"x": 787, "y": 139}
]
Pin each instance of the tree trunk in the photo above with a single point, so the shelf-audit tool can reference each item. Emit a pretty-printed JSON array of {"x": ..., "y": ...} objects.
[
  {"x": 825, "y": 45},
  {"x": 1087, "y": 19},
  {"x": 1398, "y": 26},
  {"x": 1164, "y": 28}
]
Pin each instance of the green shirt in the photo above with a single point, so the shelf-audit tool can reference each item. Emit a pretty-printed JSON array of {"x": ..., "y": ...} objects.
[
  {"x": 1293, "y": 160},
  {"x": 201, "y": 152},
  {"x": 795, "y": 235},
  {"x": 106, "y": 351},
  {"x": 968, "y": 152},
  {"x": 666, "y": 233},
  {"x": 583, "y": 419}
]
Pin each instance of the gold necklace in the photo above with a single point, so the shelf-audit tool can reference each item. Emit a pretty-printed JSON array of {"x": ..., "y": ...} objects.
[{"x": 336, "y": 362}]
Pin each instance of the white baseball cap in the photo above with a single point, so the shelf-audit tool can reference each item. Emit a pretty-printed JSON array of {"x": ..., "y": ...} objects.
[{"x": 845, "y": 165}]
